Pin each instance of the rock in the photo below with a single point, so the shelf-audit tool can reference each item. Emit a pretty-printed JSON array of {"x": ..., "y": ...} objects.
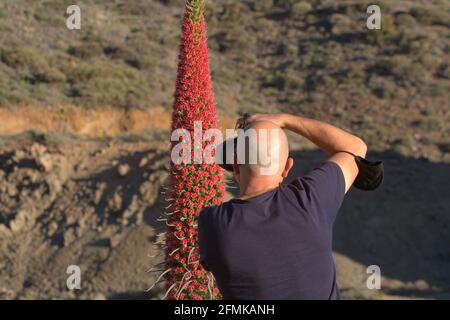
[
  {"x": 421, "y": 285},
  {"x": 4, "y": 231},
  {"x": 6, "y": 294},
  {"x": 146, "y": 190},
  {"x": 34, "y": 176},
  {"x": 38, "y": 149},
  {"x": 139, "y": 217},
  {"x": 19, "y": 155},
  {"x": 132, "y": 208},
  {"x": 123, "y": 222},
  {"x": 80, "y": 166},
  {"x": 115, "y": 203},
  {"x": 19, "y": 222},
  {"x": 73, "y": 215},
  {"x": 46, "y": 162},
  {"x": 87, "y": 214},
  {"x": 12, "y": 190},
  {"x": 100, "y": 188},
  {"x": 51, "y": 229},
  {"x": 143, "y": 162},
  {"x": 79, "y": 231},
  {"x": 69, "y": 236},
  {"x": 98, "y": 296},
  {"x": 115, "y": 240},
  {"x": 93, "y": 296},
  {"x": 54, "y": 184},
  {"x": 123, "y": 170},
  {"x": 24, "y": 193}
]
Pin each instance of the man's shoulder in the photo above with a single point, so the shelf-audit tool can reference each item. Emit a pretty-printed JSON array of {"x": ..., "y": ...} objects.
[
  {"x": 321, "y": 190},
  {"x": 213, "y": 211}
]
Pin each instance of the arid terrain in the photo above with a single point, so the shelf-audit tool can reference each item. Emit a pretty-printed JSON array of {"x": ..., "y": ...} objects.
[
  {"x": 94, "y": 202},
  {"x": 85, "y": 118}
]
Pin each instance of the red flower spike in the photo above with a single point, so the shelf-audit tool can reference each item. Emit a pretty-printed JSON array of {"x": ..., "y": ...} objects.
[{"x": 192, "y": 186}]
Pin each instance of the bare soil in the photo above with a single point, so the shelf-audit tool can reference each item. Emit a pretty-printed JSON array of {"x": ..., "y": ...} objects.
[{"x": 94, "y": 202}]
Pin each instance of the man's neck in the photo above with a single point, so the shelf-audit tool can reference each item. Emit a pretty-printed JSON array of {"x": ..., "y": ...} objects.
[{"x": 256, "y": 187}]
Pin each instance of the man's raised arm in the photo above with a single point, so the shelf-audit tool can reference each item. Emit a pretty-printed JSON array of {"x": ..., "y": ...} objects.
[{"x": 330, "y": 139}]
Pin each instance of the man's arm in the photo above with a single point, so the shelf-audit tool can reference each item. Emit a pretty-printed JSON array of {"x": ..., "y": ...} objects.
[{"x": 330, "y": 139}]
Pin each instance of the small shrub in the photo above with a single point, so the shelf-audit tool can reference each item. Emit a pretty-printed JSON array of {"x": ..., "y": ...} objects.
[
  {"x": 260, "y": 5},
  {"x": 107, "y": 83},
  {"x": 382, "y": 87},
  {"x": 167, "y": 2},
  {"x": 412, "y": 42},
  {"x": 405, "y": 20},
  {"x": 318, "y": 82},
  {"x": 50, "y": 19},
  {"x": 430, "y": 62},
  {"x": 30, "y": 64},
  {"x": 4, "y": 101},
  {"x": 3, "y": 14},
  {"x": 33, "y": 136},
  {"x": 293, "y": 81},
  {"x": 274, "y": 81},
  {"x": 387, "y": 33},
  {"x": 287, "y": 49},
  {"x": 430, "y": 15},
  {"x": 54, "y": 139},
  {"x": 56, "y": 5},
  {"x": 86, "y": 50},
  {"x": 444, "y": 70},
  {"x": 340, "y": 22},
  {"x": 300, "y": 9},
  {"x": 128, "y": 56},
  {"x": 403, "y": 69},
  {"x": 437, "y": 90},
  {"x": 48, "y": 75},
  {"x": 361, "y": 6}
]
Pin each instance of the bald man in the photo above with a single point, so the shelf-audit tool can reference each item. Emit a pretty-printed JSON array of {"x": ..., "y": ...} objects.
[{"x": 275, "y": 240}]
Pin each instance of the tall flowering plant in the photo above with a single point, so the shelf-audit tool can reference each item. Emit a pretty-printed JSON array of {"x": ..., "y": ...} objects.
[{"x": 192, "y": 186}]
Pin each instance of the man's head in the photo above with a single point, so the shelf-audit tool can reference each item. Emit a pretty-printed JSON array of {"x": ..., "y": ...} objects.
[{"x": 264, "y": 160}]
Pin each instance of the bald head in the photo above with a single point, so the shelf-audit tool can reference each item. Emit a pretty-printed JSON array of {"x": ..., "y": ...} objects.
[{"x": 267, "y": 153}]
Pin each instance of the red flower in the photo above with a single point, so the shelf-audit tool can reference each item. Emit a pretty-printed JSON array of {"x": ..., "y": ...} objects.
[
  {"x": 192, "y": 186},
  {"x": 195, "y": 296}
]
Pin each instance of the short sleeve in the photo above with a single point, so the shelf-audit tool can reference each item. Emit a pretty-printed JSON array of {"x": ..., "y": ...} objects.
[
  {"x": 202, "y": 243},
  {"x": 322, "y": 190}
]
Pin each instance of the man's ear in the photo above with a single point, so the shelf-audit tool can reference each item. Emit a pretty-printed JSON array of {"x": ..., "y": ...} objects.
[{"x": 288, "y": 167}]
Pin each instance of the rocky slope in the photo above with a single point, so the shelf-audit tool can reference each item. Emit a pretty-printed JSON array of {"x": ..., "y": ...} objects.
[{"x": 95, "y": 203}]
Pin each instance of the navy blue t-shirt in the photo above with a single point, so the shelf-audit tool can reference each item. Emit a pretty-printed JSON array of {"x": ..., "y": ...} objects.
[{"x": 277, "y": 245}]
